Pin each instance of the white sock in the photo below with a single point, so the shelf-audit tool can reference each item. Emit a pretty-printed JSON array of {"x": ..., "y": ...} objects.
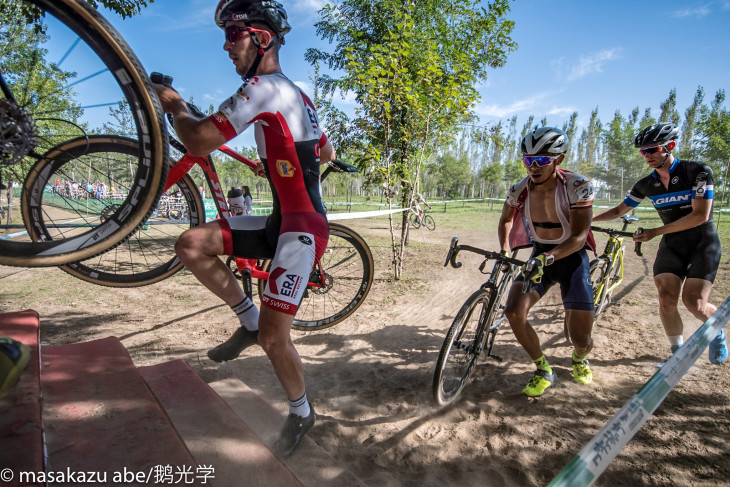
[
  {"x": 248, "y": 314},
  {"x": 300, "y": 407},
  {"x": 677, "y": 340}
]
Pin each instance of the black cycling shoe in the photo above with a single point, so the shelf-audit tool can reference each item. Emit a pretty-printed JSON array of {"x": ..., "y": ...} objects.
[
  {"x": 293, "y": 431},
  {"x": 233, "y": 347}
]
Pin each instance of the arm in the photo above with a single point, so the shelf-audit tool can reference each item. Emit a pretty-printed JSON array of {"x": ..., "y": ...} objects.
[
  {"x": 327, "y": 153},
  {"x": 701, "y": 209},
  {"x": 198, "y": 135},
  {"x": 504, "y": 226},
  {"x": 615, "y": 212}
]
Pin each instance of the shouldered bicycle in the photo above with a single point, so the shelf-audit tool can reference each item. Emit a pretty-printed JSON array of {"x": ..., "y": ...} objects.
[
  {"x": 337, "y": 286},
  {"x": 475, "y": 326}
]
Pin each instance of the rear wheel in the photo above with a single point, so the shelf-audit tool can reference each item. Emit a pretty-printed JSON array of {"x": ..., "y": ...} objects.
[
  {"x": 348, "y": 270},
  {"x": 462, "y": 346}
]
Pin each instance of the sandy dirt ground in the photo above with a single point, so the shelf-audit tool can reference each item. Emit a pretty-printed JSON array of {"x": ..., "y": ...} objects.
[{"x": 370, "y": 377}]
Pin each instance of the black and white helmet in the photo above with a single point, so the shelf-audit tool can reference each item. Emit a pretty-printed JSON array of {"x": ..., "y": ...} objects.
[
  {"x": 655, "y": 135},
  {"x": 545, "y": 141},
  {"x": 269, "y": 12}
]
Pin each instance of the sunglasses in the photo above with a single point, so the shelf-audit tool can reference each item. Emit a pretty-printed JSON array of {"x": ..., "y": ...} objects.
[
  {"x": 650, "y": 150},
  {"x": 235, "y": 33},
  {"x": 539, "y": 160}
]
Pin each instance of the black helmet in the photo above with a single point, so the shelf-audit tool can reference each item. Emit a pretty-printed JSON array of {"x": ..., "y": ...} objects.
[
  {"x": 545, "y": 141},
  {"x": 657, "y": 134},
  {"x": 269, "y": 12},
  {"x": 234, "y": 193}
]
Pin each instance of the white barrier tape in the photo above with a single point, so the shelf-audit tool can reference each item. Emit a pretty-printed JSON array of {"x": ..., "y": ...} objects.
[
  {"x": 598, "y": 454},
  {"x": 361, "y": 214}
]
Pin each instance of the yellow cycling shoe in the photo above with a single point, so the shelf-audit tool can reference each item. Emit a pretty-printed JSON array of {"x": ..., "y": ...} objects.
[
  {"x": 539, "y": 382},
  {"x": 581, "y": 372}
]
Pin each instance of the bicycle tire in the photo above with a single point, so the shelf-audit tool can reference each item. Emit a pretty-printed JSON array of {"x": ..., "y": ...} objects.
[
  {"x": 414, "y": 221},
  {"x": 347, "y": 281},
  {"x": 599, "y": 282},
  {"x": 461, "y": 347},
  {"x": 616, "y": 276},
  {"x": 429, "y": 223},
  {"x": 145, "y": 183},
  {"x": 148, "y": 255}
]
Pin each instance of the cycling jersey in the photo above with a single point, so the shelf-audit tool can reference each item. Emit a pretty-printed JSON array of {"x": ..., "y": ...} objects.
[
  {"x": 574, "y": 191},
  {"x": 694, "y": 252},
  {"x": 288, "y": 139},
  {"x": 688, "y": 180}
]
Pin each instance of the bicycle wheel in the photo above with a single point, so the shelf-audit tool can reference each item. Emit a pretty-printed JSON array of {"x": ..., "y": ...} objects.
[
  {"x": 414, "y": 221},
  {"x": 615, "y": 277},
  {"x": 429, "y": 223},
  {"x": 148, "y": 255},
  {"x": 348, "y": 272},
  {"x": 462, "y": 346},
  {"x": 599, "y": 282},
  {"x": 78, "y": 70}
]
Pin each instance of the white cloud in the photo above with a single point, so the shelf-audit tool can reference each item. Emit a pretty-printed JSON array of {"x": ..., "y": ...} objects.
[
  {"x": 532, "y": 104},
  {"x": 592, "y": 63},
  {"x": 699, "y": 11},
  {"x": 304, "y": 86}
]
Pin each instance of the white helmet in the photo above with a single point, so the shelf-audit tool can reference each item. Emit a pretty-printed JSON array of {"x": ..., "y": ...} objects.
[{"x": 545, "y": 141}]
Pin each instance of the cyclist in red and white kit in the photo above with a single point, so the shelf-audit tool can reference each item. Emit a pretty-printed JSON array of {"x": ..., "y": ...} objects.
[{"x": 291, "y": 147}]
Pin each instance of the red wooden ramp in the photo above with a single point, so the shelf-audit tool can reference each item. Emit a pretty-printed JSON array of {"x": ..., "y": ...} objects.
[
  {"x": 211, "y": 430},
  {"x": 310, "y": 463},
  {"x": 99, "y": 416},
  {"x": 21, "y": 434}
]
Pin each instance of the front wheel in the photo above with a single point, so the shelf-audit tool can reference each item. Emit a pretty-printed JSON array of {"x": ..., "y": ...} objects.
[
  {"x": 347, "y": 265},
  {"x": 462, "y": 346},
  {"x": 599, "y": 284}
]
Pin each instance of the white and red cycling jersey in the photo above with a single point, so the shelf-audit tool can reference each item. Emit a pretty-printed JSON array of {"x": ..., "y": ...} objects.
[{"x": 288, "y": 139}]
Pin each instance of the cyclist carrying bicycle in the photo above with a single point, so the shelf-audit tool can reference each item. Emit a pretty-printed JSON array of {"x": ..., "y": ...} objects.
[
  {"x": 291, "y": 147},
  {"x": 689, "y": 251},
  {"x": 551, "y": 210}
]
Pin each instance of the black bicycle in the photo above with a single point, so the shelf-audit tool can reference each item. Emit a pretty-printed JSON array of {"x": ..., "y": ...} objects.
[
  {"x": 475, "y": 327},
  {"x": 64, "y": 76}
]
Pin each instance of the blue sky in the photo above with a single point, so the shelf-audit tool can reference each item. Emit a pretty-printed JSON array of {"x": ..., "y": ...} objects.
[{"x": 572, "y": 55}]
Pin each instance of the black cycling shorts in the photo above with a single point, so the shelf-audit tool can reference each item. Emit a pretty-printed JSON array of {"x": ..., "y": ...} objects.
[
  {"x": 693, "y": 253},
  {"x": 573, "y": 275}
]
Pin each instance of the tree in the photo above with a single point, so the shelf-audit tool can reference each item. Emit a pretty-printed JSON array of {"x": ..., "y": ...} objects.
[
  {"x": 714, "y": 136},
  {"x": 668, "y": 108},
  {"x": 413, "y": 67},
  {"x": 590, "y": 145},
  {"x": 570, "y": 129},
  {"x": 688, "y": 148}
]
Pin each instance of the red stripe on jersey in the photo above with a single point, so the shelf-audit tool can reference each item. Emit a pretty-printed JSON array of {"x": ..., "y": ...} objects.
[
  {"x": 323, "y": 140},
  {"x": 223, "y": 125},
  {"x": 227, "y": 237}
]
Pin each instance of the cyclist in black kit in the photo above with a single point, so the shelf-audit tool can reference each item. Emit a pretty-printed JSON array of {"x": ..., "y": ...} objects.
[{"x": 681, "y": 192}]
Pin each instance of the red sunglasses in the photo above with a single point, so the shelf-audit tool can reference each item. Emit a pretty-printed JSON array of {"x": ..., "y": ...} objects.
[
  {"x": 235, "y": 33},
  {"x": 650, "y": 150}
]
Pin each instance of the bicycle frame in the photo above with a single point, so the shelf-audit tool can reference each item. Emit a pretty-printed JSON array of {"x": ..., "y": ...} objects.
[
  {"x": 611, "y": 255},
  {"x": 249, "y": 268}
]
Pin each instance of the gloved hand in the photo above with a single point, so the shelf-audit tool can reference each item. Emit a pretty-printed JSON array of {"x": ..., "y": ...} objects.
[
  {"x": 505, "y": 265},
  {"x": 533, "y": 269}
]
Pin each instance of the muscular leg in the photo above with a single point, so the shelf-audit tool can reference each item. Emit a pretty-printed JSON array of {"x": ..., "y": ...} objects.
[
  {"x": 668, "y": 288},
  {"x": 695, "y": 295},
  {"x": 198, "y": 249},
  {"x": 275, "y": 339},
  {"x": 580, "y": 325},
  {"x": 516, "y": 309}
]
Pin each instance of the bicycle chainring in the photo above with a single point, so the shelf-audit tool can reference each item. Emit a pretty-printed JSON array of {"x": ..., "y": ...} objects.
[{"x": 18, "y": 135}]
